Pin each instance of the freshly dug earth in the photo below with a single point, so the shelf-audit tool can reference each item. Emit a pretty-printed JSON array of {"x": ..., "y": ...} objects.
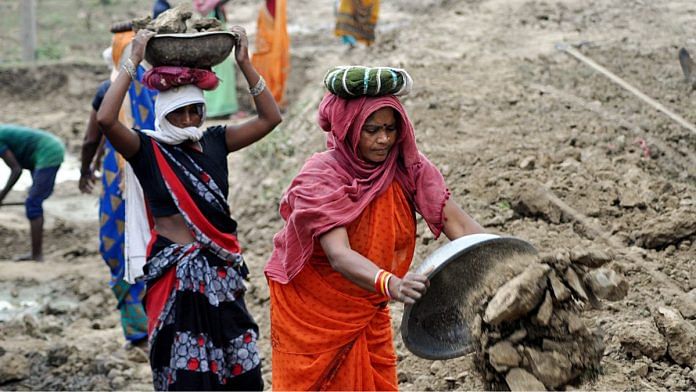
[
  {"x": 529, "y": 334},
  {"x": 515, "y": 127}
]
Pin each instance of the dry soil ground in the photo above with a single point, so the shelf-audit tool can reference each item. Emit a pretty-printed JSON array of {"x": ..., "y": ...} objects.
[{"x": 495, "y": 105}]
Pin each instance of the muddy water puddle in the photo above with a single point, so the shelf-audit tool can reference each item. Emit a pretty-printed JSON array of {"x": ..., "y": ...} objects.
[
  {"x": 20, "y": 298},
  {"x": 69, "y": 171}
]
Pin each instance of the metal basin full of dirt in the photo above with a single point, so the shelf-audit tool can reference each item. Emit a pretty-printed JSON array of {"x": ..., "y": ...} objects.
[{"x": 462, "y": 273}]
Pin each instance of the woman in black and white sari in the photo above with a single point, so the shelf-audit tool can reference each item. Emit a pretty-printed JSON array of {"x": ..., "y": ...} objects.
[{"x": 201, "y": 334}]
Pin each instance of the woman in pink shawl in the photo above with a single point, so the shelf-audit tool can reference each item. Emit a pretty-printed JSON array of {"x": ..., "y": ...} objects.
[{"x": 347, "y": 245}]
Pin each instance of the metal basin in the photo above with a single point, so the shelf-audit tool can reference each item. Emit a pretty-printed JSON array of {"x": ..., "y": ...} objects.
[
  {"x": 438, "y": 325},
  {"x": 197, "y": 50}
]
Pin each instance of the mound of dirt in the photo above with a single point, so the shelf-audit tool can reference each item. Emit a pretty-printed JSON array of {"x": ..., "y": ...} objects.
[{"x": 529, "y": 333}]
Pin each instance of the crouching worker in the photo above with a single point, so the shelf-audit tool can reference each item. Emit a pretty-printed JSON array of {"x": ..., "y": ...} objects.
[{"x": 41, "y": 153}]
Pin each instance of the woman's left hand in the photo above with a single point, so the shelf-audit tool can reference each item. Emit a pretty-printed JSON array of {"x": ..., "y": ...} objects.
[
  {"x": 139, "y": 44},
  {"x": 241, "y": 47}
]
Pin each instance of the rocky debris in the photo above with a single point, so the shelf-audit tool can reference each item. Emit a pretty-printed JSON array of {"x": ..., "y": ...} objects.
[
  {"x": 574, "y": 282},
  {"x": 521, "y": 380},
  {"x": 13, "y": 367},
  {"x": 172, "y": 20},
  {"x": 543, "y": 316},
  {"x": 642, "y": 338},
  {"x": 137, "y": 23},
  {"x": 517, "y": 335},
  {"x": 436, "y": 367},
  {"x": 503, "y": 356},
  {"x": 606, "y": 284},
  {"x": 641, "y": 368},
  {"x": 528, "y": 332},
  {"x": 527, "y": 163},
  {"x": 680, "y": 335},
  {"x": 667, "y": 229},
  {"x": 528, "y": 200},
  {"x": 31, "y": 325},
  {"x": 630, "y": 198},
  {"x": 205, "y": 24},
  {"x": 559, "y": 290},
  {"x": 589, "y": 257},
  {"x": 518, "y": 296},
  {"x": 451, "y": 383},
  {"x": 552, "y": 368},
  {"x": 59, "y": 354},
  {"x": 178, "y": 20},
  {"x": 687, "y": 305},
  {"x": 423, "y": 383},
  {"x": 136, "y": 354}
]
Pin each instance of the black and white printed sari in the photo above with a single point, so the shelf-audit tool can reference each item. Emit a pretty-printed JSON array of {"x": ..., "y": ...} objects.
[{"x": 201, "y": 335}]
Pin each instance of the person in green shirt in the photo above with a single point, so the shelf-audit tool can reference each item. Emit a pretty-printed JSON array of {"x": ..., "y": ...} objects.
[{"x": 41, "y": 153}]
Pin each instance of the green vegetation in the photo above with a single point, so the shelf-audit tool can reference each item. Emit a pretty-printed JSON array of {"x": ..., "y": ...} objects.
[
  {"x": 51, "y": 51},
  {"x": 66, "y": 29},
  {"x": 275, "y": 146}
]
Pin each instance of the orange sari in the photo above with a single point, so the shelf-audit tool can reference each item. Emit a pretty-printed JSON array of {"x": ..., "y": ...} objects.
[
  {"x": 326, "y": 332},
  {"x": 272, "y": 57}
]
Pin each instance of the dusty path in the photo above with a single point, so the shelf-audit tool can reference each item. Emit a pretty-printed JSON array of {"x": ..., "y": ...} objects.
[{"x": 495, "y": 106}]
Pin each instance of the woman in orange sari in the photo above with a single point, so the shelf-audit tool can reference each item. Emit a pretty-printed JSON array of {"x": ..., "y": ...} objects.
[
  {"x": 272, "y": 55},
  {"x": 347, "y": 246}
]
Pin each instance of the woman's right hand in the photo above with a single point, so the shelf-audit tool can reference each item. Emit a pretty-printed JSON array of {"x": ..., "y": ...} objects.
[
  {"x": 408, "y": 289},
  {"x": 139, "y": 44}
]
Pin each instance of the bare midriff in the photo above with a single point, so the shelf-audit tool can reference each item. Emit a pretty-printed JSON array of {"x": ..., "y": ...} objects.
[{"x": 174, "y": 228}]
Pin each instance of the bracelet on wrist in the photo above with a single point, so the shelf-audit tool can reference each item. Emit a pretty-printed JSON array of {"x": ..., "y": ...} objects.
[
  {"x": 258, "y": 88},
  {"x": 382, "y": 279},
  {"x": 386, "y": 285},
  {"x": 130, "y": 69}
]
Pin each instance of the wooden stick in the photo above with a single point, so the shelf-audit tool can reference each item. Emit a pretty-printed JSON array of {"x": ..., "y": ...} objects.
[
  {"x": 668, "y": 284},
  {"x": 681, "y": 160},
  {"x": 13, "y": 203},
  {"x": 571, "y": 51},
  {"x": 29, "y": 30}
]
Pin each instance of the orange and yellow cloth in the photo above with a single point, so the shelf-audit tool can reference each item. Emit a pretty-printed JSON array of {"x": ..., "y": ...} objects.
[
  {"x": 272, "y": 55},
  {"x": 357, "y": 18},
  {"x": 327, "y": 333}
]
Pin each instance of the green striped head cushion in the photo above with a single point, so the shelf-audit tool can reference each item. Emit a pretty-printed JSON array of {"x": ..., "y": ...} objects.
[{"x": 351, "y": 81}]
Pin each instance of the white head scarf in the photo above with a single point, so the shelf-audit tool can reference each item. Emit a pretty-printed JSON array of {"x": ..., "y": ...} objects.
[
  {"x": 108, "y": 59},
  {"x": 168, "y": 101}
]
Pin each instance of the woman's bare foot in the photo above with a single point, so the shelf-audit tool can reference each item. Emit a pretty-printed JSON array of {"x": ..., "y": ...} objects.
[{"x": 28, "y": 257}]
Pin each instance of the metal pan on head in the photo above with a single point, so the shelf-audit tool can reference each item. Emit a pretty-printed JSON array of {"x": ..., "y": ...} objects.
[
  {"x": 197, "y": 50},
  {"x": 438, "y": 325}
]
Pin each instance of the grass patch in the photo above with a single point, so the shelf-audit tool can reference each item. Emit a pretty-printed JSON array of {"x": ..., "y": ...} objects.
[{"x": 66, "y": 29}]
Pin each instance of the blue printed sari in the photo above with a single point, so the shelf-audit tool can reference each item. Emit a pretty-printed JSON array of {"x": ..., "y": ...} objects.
[{"x": 112, "y": 221}]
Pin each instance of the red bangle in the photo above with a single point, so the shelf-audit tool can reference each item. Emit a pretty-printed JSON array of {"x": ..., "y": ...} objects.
[
  {"x": 386, "y": 284},
  {"x": 378, "y": 280},
  {"x": 382, "y": 282}
]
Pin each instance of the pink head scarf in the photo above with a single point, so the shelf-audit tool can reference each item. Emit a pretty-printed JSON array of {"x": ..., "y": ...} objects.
[
  {"x": 166, "y": 77},
  {"x": 204, "y": 7},
  {"x": 335, "y": 186}
]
